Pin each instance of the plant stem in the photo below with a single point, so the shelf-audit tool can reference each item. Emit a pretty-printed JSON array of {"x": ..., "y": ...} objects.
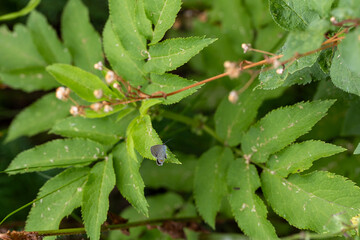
[
  {"x": 71, "y": 231},
  {"x": 190, "y": 122}
]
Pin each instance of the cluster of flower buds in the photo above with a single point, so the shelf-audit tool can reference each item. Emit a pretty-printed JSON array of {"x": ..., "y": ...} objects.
[
  {"x": 76, "y": 110},
  {"x": 62, "y": 93},
  {"x": 232, "y": 69}
]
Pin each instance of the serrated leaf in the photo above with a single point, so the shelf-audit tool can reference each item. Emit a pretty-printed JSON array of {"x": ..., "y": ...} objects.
[
  {"x": 210, "y": 182},
  {"x": 124, "y": 23},
  {"x": 29, "y": 79},
  {"x": 144, "y": 137},
  {"x": 104, "y": 130},
  {"x": 32, "y": 4},
  {"x": 38, "y": 117},
  {"x": 143, "y": 23},
  {"x": 290, "y": 161},
  {"x": 232, "y": 120},
  {"x": 18, "y": 50},
  {"x": 349, "y": 49},
  {"x": 310, "y": 201},
  {"x": 342, "y": 76},
  {"x": 292, "y": 14},
  {"x": 172, "y": 53},
  {"x": 59, "y": 153},
  {"x": 121, "y": 61},
  {"x": 81, "y": 82},
  {"x": 128, "y": 178},
  {"x": 81, "y": 38},
  {"x": 248, "y": 209},
  {"x": 66, "y": 193},
  {"x": 46, "y": 40},
  {"x": 164, "y": 17},
  {"x": 95, "y": 202},
  {"x": 169, "y": 83},
  {"x": 281, "y": 127},
  {"x": 170, "y": 176}
]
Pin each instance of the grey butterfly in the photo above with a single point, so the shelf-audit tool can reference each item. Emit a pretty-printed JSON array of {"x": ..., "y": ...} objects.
[{"x": 159, "y": 151}]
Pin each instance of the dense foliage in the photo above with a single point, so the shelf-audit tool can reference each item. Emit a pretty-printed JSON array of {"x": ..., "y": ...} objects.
[{"x": 269, "y": 145}]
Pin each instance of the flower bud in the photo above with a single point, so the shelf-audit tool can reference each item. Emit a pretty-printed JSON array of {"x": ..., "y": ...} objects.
[
  {"x": 246, "y": 47},
  {"x": 62, "y": 93},
  {"x": 74, "y": 110},
  {"x": 110, "y": 77},
  {"x": 96, "y": 106},
  {"x": 233, "y": 96},
  {"x": 98, "y": 93},
  {"x": 108, "y": 108},
  {"x": 98, "y": 66}
]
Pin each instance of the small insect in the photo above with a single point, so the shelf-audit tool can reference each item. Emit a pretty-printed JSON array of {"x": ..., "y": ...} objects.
[{"x": 159, "y": 151}]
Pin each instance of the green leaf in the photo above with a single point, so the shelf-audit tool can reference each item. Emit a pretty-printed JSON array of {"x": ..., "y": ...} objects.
[
  {"x": 357, "y": 150},
  {"x": 65, "y": 193},
  {"x": 164, "y": 17},
  {"x": 300, "y": 156},
  {"x": 38, "y": 117},
  {"x": 81, "y": 38},
  {"x": 170, "y": 176},
  {"x": 121, "y": 61},
  {"x": 342, "y": 76},
  {"x": 310, "y": 201},
  {"x": 169, "y": 83},
  {"x": 32, "y": 4},
  {"x": 248, "y": 209},
  {"x": 172, "y": 53},
  {"x": 292, "y": 14},
  {"x": 46, "y": 40},
  {"x": 210, "y": 182},
  {"x": 124, "y": 23},
  {"x": 59, "y": 153},
  {"x": 104, "y": 130},
  {"x": 143, "y": 23},
  {"x": 351, "y": 124},
  {"x": 281, "y": 127},
  {"x": 321, "y": 7},
  {"x": 304, "y": 41},
  {"x": 144, "y": 137},
  {"x": 128, "y": 178},
  {"x": 232, "y": 120},
  {"x": 146, "y": 104},
  {"x": 349, "y": 49},
  {"x": 95, "y": 202},
  {"x": 29, "y": 79},
  {"x": 81, "y": 82},
  {"x": 18, "y": 50}
]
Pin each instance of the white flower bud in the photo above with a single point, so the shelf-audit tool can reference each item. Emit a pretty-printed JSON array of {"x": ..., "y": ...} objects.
[
  {"x": 333, "y": 19},
  {"x": 96, "y": 106},
  {"x": 110, "y": 77},
  {"x": 98, "y": 93},
  {"x": 98, "y": 66},
  {"x": 233, "y": 96},
  {"x": 108, "y": 108},
  {"x": 62, "y": 93},
  {"x": 279, "y": 71},
  {"x": 116, "y": 85},
  {"x": 74, "y": 110},
  {"x": 246, "y": 47},
  {"x": 232, "y": 69}
]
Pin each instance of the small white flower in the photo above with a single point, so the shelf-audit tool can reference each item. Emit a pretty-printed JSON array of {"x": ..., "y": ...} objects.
[
  {"x": 98, "y": 93},
  {"x": 233, "y": 96},
  {"x": 279, "y": 71},
  {"x": 110, "y": 77},
  {"x": 62, "y": 93},
  {"x": 98, "y": 66},
  {"x": 96, "y": 106},
  {"x": 74, "y": 110},
  {"x": 246, "y": 47},
  {"x": 108, "y": 108}
]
